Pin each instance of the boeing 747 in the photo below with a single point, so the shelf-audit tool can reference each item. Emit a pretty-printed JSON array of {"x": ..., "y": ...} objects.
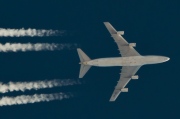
[{"x": 130, "y": 61}]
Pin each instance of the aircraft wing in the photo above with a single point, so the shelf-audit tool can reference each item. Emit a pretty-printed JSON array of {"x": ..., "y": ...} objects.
[
  {"x": 126, "y": 73},
  {"x": 124, "y": 47}
]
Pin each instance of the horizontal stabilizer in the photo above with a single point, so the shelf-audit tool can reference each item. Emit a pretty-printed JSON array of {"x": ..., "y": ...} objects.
[
  {"x": 83, "y": 58},
  {"x": 83, "y": 70}
]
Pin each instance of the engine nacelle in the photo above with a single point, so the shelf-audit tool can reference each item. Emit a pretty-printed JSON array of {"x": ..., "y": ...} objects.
[
  {"x": 132, "y": 44},
  {"x": 124, "y": 90},
  {"x": 135, "y": 77},
  {"x": 120, "y": 32}
]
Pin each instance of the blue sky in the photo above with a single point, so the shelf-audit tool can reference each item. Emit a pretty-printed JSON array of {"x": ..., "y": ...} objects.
[{"x": 153, "y": 25}]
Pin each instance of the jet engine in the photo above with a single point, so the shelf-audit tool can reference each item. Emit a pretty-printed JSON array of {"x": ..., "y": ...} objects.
[
  {"x": 124, "y": 90},
  {"x": 120, "y": 32},
  {"x": 135, "y": 77},
  {"x": 132, "y": 44}
]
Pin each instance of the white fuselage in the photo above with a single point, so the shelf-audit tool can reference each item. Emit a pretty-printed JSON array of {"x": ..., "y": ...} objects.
[{"x": 126, "y": 61}]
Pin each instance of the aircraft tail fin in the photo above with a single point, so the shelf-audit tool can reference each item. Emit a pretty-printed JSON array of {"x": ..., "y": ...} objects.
[{"x": 83, "y": 58}]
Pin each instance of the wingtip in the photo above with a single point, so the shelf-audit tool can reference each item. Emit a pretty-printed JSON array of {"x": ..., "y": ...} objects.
[
  {"x": 78, "y": 49},
  {"x": 112, "y": 99},
  {"x": 80, "y": 76},
  {"x": 106, "y": 22}
]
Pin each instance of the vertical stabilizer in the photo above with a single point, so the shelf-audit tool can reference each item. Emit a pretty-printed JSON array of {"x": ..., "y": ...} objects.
[{"x": 83, "y": 58}]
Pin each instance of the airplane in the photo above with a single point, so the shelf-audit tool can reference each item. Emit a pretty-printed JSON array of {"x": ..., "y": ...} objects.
[{"x": 130, "y": 61}]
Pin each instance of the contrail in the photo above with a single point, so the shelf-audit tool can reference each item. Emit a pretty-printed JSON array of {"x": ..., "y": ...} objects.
[
  {"x": 24, "y": 99},
  {"x": 29, "y": 32},
  {"x": 22, "y": 86},
  {"x": 14, "y": 47}
]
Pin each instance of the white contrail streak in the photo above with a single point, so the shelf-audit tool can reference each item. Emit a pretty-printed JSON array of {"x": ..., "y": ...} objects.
[
  {"x": 29, "y": 32},
  {"x": 14, "y": 47},
  {"x": 22, "y": 86},
  {"x": 24, "y": 99}
]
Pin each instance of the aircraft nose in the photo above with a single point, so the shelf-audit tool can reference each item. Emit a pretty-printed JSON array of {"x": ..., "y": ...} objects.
[{"x": 167, "y": 58}]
